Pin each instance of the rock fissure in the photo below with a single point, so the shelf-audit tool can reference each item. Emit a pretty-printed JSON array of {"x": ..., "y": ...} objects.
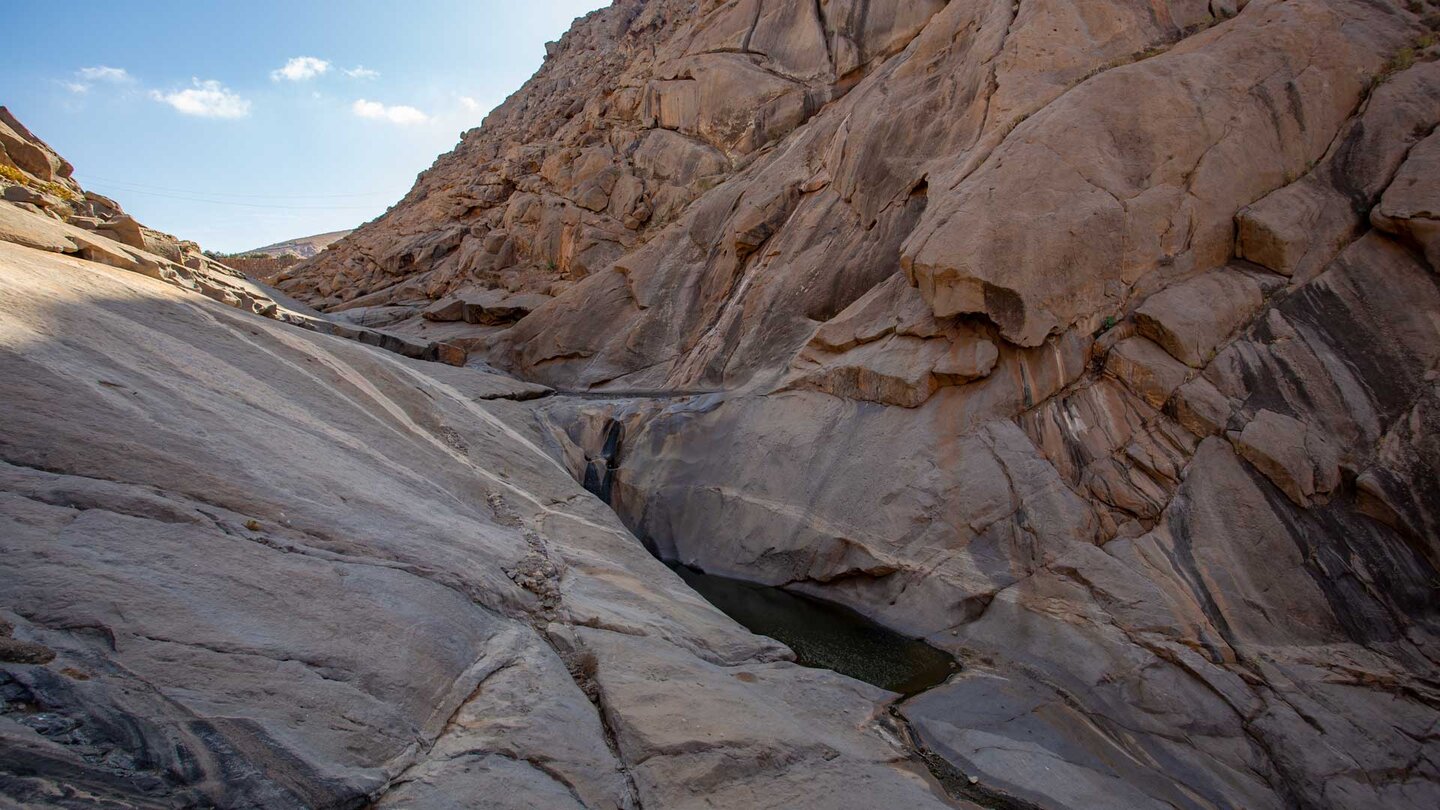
[
  {"x": 580, "y": 666},
  {"x": 955, "y": 783}
]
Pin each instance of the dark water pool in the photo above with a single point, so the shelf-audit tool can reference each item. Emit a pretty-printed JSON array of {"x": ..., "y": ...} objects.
[{"x": 826, "y": 635}]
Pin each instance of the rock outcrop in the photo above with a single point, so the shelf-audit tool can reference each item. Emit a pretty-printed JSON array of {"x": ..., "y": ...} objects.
[
  {"x": 640, "y": 109},
  {"x": 46, "y": 209},
  {"x": 33, "y": 178},
  {"x": 1094, "y": 342}
]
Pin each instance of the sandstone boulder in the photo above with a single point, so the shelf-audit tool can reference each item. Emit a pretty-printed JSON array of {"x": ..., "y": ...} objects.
[
  {"x": 21, "y": 194},
  {"x": 1146, "y": 369},
  {"x": 1201, "y": 408},
  {"x": 496, "y": 307},
  {"x": 20, "y": 148},
  {"x": 102, "y": 206},
  {"x": 125, "y": 230}
]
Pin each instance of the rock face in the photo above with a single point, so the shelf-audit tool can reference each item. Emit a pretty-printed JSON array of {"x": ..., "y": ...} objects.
[
  {"x": 1096, "y": 342},
  {"x": 253, "y": 566},
  {"x": 641, "y": 108}
]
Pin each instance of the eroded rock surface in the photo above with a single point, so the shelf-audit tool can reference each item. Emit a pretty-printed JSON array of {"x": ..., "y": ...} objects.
[
  {"x": 1097, "y": 343},
  {"x": 251, "y": 566}
]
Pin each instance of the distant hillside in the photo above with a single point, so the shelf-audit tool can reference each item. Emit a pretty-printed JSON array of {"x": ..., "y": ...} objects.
[{"x": 304, "y": 247}]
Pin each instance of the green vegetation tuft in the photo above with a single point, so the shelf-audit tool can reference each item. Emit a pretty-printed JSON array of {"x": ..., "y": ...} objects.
[
  {"x": 57, "y": 190},
  {"x": 17, "y": 176},
  {"x": 1403, "y": 59}
]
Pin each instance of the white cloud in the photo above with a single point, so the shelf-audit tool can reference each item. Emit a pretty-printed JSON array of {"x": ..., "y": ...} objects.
[
  {"x": 206, "y": 99},
  {"x": 399, "y": 114},
  {"x": 300, "y": 69},
  {"x": 470, "y": 104},
  {"x": 101, "y": 73},
  {"x": 85, "y": 78},
  {"x": 361, "y": 72}
]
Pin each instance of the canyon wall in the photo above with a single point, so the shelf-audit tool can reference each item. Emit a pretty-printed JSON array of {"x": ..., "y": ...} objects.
[{"x": 1096, "y": 342}]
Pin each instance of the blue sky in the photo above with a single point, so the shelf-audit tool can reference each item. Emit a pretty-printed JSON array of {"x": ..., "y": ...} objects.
[{"x": 238, "y": 124}]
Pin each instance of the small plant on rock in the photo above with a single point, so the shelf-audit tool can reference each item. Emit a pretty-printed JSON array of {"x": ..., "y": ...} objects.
[
  {"x": 1403, "y": 60},
  {"x": 57, "y": 190}
]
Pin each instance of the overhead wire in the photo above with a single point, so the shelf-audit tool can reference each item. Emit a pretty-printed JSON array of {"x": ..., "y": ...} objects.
[
  {"x": 209, "y": 201},
  {"x": 162, "y": 189}
]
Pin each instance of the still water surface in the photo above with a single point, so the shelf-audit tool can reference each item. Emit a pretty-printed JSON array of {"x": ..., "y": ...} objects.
[{"x": 826, "y": 635}]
